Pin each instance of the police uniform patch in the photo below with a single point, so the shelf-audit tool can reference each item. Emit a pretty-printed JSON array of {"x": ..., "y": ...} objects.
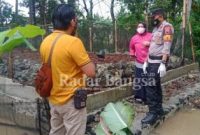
[
  {"x": 167, "y": 30},
  {"x": 167, "y": 37}
]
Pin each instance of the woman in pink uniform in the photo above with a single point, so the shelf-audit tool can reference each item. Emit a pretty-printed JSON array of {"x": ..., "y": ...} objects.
[{"x": 138, "y": 49}]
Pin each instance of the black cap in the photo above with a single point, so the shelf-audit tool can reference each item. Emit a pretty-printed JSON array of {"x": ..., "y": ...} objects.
[{"x": 158, "y": 11}]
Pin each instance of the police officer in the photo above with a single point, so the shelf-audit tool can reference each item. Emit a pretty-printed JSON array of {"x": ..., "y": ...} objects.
[{"x": 155, "y": 65}]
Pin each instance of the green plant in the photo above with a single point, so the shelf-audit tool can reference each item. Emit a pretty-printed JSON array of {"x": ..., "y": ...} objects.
[
  {"x": 194, "y": 19},
  {"x": 116, "y": 119},
  {"x": 13, "y": 38}
]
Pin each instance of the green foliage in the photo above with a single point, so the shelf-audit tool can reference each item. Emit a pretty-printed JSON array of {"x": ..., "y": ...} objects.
[
  {"x": 101, "y": 28},
  {"x": 5, "y": 13},
  {"x": 195, "y": 19},
  {"x": 13, "y": 38},
  {"x": 129, "y": 19},
  {"x": 130, "y": 12},
  {"x": 116, "y": 118}
]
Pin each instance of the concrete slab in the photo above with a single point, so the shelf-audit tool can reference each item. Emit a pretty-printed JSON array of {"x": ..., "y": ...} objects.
[
  {"x": 100, "y": 99},
  {"x": 11, "y": 88},
  {"x": 96, "y": 100}
]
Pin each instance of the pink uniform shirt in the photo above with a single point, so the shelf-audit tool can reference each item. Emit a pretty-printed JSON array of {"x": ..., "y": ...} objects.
[{"x": 137, "y": 48}]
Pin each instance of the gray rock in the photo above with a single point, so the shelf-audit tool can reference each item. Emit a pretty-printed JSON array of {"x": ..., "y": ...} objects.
[{"x": 174, "y": 101}]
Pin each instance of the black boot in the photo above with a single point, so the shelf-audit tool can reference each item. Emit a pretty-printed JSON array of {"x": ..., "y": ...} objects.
[{"x": 150, "y": 118}]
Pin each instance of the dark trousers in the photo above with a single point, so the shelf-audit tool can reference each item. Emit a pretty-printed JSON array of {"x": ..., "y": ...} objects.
[
  {"x": 154, "y": 89},
  {"x": 139, "y": 88}
]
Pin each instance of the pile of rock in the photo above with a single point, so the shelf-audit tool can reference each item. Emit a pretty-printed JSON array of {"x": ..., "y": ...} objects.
[
  {"x": 114, "y": 74},
  {"x": 175, "y": 62},
  {"x": 108, "y": 74},
  {"x": 23, "y": 70}
]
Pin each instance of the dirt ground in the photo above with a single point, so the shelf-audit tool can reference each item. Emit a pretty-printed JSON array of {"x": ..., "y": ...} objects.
[
  {"x": 109, "y": 58},
  {"x": 184, "y": 122}
]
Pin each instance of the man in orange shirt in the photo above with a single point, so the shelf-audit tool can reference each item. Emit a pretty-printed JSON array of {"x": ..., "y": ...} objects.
[{"x": 69, "y": 63}]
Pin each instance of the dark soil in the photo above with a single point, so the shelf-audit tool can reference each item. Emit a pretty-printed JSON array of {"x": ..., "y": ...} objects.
[{"x": 21, "y": 53}]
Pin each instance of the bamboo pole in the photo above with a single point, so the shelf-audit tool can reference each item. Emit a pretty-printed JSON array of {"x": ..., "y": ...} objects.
[
  {"x": 116, "y": 47},
  {"x": 90, "y": 35},
  {"x": 146, "y": 15},
  {"x": 183, "y": 30},
  {"x": 10, "y": 65},
  {"x": 192, "y": 43}
]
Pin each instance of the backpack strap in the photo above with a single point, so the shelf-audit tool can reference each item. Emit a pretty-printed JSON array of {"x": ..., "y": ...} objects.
[{"x": 52, "y": 48}]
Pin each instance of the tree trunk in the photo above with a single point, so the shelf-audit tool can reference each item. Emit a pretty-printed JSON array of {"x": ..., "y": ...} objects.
[
  {"x": 32, "y": 12},
  {"x": 42, "y": 13},
  {"x": 146, "y": 14},
  {"x": 10, "y": 57},
  {"x": 191, "y": 43},
  {"x": 1, "y": 16},
  {"x": 10, "y": 65},
  {"x": 114, "y": 25},
  {"x": 183, "y": 31},
  {"x": 16, "y": 11},
  {"x": 85, "y": 7},
  {"x": 90, "y": 22}
]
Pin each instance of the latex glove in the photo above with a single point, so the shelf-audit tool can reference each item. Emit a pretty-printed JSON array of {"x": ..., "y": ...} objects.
[
  {"x": 162, "y": 70},
  {"x": 144, "y": 67}
]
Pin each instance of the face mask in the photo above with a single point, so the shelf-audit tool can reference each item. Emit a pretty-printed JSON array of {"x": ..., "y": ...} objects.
[
  {"x": 155, "y": 22},
  {"x": 140, "y": 30}
]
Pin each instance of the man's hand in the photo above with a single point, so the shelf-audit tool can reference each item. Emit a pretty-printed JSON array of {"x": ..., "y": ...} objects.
[
  {"x": 162, "y": 70},
  {"x": 144, "y": 67}
]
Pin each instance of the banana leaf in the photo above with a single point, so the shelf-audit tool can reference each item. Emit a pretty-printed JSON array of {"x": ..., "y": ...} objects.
[
  {"x": 126, "y": 111},
  {"x": 121, "y": 132},
  {"x": 29, "y": 31},
  {"x": 3, "y": 36},
  {"x": 101, "y": 130},
  {"x": 15, "y": 37},
  {"x": 117, "y": 117}
]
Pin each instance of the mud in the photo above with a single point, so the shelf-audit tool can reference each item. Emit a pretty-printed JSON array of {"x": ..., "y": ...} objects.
[{"x": 184, "y": 122}]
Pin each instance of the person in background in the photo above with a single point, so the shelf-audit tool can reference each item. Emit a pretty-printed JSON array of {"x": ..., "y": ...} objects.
[
  {"x": 138, "y": 49},
  {"x": 154, "y": 67},
  {"x": 69, "y": 63}
]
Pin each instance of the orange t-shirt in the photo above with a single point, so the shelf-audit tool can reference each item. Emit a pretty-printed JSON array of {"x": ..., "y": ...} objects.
[{"x": 68, "y": 56}]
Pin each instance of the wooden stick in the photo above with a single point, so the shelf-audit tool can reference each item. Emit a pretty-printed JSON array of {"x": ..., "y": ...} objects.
[
  {"x": 116, "y": 47},
  {"x": 90, "y": 34},
  {"x": 183, "y": 30},
  {"x": 192, "y": 43}
]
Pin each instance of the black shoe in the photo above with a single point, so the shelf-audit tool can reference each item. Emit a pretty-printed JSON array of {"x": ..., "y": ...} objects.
[
  {"x": 150, "y": 118},
  {"x": 161, "y": 113}
]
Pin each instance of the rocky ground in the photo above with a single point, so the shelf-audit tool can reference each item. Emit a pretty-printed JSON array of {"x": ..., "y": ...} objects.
[
  {"x": 173, "y": 91},
  {"x": 114, "y": 66}
]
